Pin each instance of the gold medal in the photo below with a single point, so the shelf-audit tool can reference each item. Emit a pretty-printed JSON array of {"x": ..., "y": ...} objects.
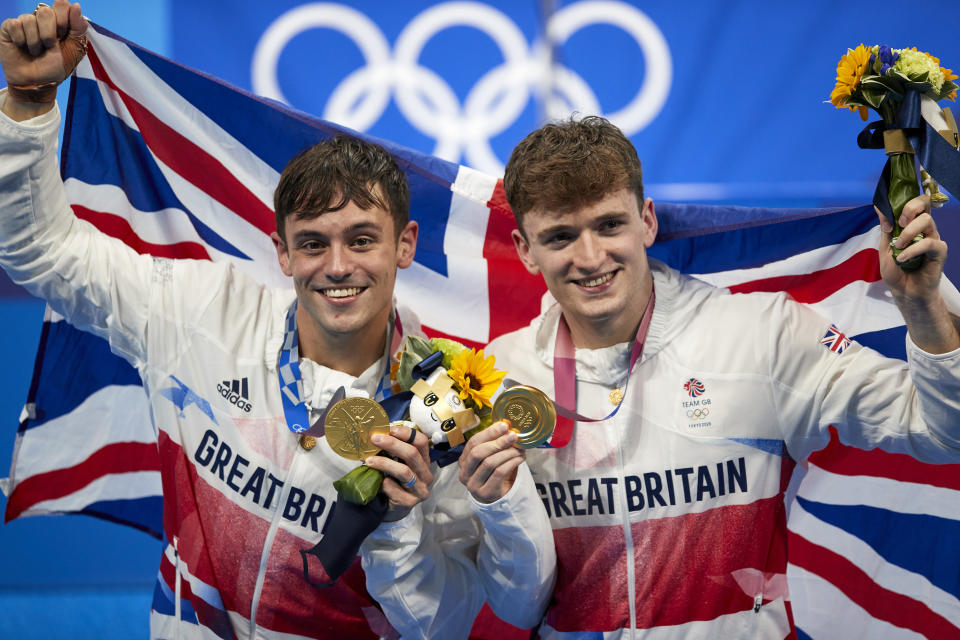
[
  {"x": 530, "y": 412},
  {"x": 616, "y": 397},
  {"x": 349, "y": 425}
]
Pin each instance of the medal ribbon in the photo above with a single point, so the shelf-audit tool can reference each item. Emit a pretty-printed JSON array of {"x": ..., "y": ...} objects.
[
  {"x": 291, "y": 380},
  {"x": 565, "y": 376}
]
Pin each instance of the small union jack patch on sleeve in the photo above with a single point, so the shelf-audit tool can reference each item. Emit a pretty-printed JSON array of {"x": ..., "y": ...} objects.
[{"x": 834, "y": 340}]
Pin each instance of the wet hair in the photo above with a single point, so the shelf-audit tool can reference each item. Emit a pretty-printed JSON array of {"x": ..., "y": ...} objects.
[
  {"x": 331, "y": 174},
  {"x": 566, "y": 165}
]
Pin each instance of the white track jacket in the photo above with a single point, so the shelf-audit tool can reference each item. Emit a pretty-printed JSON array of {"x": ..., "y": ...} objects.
[{"x": 669, "y": 517}]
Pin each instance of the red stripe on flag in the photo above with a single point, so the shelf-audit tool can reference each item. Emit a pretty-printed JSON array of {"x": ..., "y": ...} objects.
[
  {"x": 118, "y": 227},
  {"x": 814, "y": 287},
  {"x": 838, "y": 458},
  {"x": 883, "y": 604},
  {"x": 513, "y": 292},
  {"x": 121, "y": 457},
  {"x": 190, "y": 161},
  {"x": 683, "y": 573}
]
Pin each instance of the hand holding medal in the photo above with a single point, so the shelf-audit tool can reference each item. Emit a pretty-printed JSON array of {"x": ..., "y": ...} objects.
[{"x": 446, "y": 390}]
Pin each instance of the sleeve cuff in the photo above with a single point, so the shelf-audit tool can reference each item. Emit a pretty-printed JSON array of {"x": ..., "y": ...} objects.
[
  {"x": 50, "y": 119},
  {"x": 409, "y": 527},
  {"x": 914, "y": 351},
  {"x": 511, "y": 501}
]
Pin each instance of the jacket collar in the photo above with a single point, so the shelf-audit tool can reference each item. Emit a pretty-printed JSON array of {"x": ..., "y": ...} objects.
[{"x": 609, "y": 365}]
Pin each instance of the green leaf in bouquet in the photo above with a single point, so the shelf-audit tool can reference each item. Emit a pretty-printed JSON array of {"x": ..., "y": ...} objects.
[
  {"x": 415, "y": 349},
  {"x": 948, "y": 87},
  {"x": 873, "y": 97},
  {"x": 854, "y": 101},
  {"x": 360, "y": 485},
  {"x": 418, "y": 347},
  {"x": 890, "y": 84}
]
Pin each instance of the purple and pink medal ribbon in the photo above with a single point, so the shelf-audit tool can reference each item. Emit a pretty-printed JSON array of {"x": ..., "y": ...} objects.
[{"x": 565, "y": 377}]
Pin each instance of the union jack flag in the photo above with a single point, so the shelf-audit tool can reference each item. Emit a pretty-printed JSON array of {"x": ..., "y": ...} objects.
[
  {"x": 694, "y": 387},
  {"x": 835, "y": 340},
  {"x": 168, "y": 161}
]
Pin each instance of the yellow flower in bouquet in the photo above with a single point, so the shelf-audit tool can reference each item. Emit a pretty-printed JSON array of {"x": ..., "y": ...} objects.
[
  {"x": 475, "y": 376},
  {"x": 850, "y": 70}
]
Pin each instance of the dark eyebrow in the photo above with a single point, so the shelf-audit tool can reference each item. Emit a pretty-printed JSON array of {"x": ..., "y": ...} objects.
[
  {"x": 360, "y": 227},
  {"x": 307, "y": 234},
  {"x": 545, "y": 235},
  {"x": 367, "y": 226}
]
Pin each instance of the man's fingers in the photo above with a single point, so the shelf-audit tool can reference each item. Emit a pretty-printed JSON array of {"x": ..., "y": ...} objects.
[
  {"x": 914, "y": 208},
  {"x": 77, "y": 25},
  {"x": 885, "y": 227},
  {"x": 61, "y": 9},
  {"x": 47, "y": 27},
  {"x": 402, "y": 475},
  {"x": 921, "y": 224},
  {"x": 487, "y": 468},
  {"x": 31, "y": 36},
  {"x": 416, "y": 454},
  {"x": 475, "y": 455},
  {"x": 12, "y": 30},
  {"x": 934, "y": 249},
  {"x": 493, "y": 487}
]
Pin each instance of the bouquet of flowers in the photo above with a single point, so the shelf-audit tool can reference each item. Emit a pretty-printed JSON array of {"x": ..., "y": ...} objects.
[
  {"x": 894, "y": 82},
  {"x": 443, "y": 389}
]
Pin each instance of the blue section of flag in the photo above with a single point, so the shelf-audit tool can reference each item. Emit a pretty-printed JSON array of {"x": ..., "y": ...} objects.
[
  {"x": 704, "y": 239},
  {"x": 923, "y": 544},
  {"x": 146, "y": 513},
  {"x": 889, "y": 342},
  {"x": 66, "y": 350},
  {"x": 802, "y": 636},
  {"x": 135, "y": 171},
  {"x": 776, "y": 447}
]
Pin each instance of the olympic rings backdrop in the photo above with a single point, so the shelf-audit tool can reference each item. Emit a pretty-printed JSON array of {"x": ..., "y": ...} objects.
[{"x": 724, "y": 101}]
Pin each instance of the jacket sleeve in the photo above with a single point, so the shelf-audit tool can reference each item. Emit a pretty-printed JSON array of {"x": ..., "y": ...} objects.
[
  {"x": 96, "y": 282},
  {"x": 432, "y": 570},
  {"x": 873, "y": 401}
]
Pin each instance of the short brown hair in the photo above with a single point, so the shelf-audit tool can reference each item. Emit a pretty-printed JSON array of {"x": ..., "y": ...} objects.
[
  {"x": 566, "y": 165},
  {"x": 332, "y": 173}
]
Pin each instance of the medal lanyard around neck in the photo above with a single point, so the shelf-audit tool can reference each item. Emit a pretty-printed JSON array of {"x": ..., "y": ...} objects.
[
  {"x": 291, "y": 380},
  {"x": 565, "y": 376}
]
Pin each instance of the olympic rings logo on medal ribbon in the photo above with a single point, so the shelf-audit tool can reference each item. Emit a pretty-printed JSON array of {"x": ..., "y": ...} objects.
[
  {"x": 696, "y": 414},
  {"x": 495, "y": 101}
]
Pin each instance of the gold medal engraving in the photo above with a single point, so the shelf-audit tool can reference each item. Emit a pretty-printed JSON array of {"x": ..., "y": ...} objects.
[
  {"x": 349, "y": 425},
  {"x": 530, "y": 412}
]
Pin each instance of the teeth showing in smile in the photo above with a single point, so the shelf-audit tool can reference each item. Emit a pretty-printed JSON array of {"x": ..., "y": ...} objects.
[
  {"x": 342, "y": 293},
  {"x": 595, "y": 282}
]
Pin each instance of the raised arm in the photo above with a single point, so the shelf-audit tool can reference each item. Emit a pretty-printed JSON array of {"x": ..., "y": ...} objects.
[
  {"x": 917, "y": 293},
  {"x": 37, "y": 52}
]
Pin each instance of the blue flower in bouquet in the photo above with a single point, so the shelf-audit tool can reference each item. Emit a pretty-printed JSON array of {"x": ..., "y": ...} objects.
[{"x": 888, "y": 58}]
